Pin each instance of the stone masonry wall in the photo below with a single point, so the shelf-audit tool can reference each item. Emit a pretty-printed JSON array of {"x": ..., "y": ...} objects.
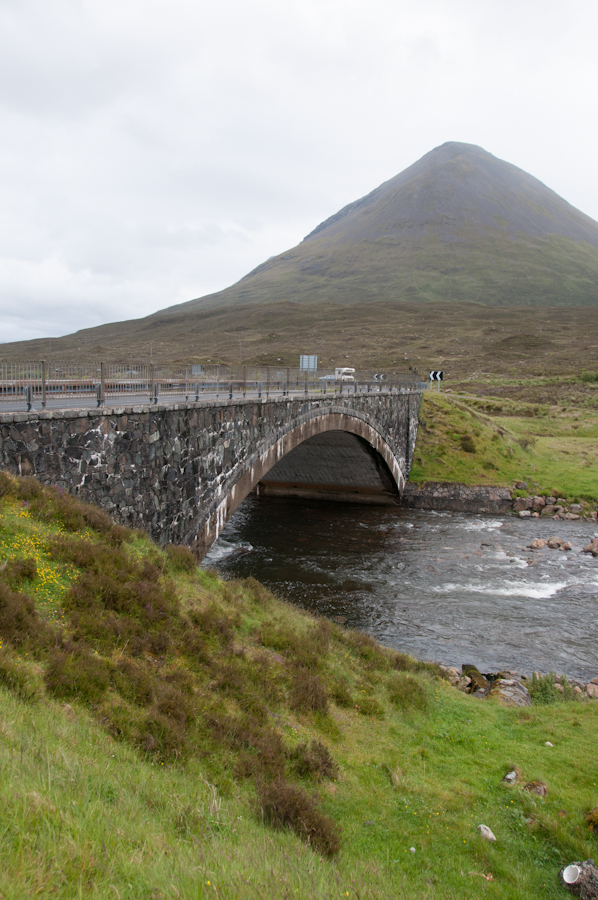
[{"x": 180, "y": 470}]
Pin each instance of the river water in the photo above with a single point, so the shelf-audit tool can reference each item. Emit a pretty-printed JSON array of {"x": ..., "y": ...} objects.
[{"x": 451, "y": 587}]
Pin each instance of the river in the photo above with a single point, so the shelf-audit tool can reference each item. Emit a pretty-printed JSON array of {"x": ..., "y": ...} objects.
[{"x": 451, "y": 587}]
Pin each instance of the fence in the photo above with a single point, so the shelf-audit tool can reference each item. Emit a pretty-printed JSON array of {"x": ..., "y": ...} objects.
[{"x": 46, "y": 383}]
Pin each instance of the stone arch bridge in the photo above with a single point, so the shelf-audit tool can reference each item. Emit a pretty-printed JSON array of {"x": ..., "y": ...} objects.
[{"x": 181, "y": 470}]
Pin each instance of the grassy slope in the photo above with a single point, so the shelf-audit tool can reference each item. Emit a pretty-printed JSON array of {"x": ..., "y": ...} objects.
[
  {"x": 553, "y": 448},
  {"x": 91, "y": 808}
]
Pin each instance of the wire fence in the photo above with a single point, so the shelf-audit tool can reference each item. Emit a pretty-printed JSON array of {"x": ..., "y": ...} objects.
[{"x": 46, "y": 384}]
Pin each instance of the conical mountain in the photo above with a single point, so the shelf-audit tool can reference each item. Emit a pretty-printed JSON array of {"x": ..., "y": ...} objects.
[{"x": 459, "y": 224}]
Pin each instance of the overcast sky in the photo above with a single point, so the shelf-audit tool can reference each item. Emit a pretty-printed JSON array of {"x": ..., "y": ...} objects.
[{"x": 152, "y": 152}]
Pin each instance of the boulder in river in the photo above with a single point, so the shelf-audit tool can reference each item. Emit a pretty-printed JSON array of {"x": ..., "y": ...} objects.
[
  {"x": 538, "y": 544},
  {"x": 592, "y": 547}
]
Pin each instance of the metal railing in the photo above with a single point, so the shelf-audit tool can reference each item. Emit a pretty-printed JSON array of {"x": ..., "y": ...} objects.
[{"x": 45, "y": 384}]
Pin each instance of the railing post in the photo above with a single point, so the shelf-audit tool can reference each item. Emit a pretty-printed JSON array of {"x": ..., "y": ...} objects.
[
  {"x": 259, "y": 389},
  {"x": 155, "y": 397},
  {"x": 151, "y": 384},
  {"x": 197, "y": 391},
  {"x": 244, "y": 382},
  {"x": 103, "y": 381},
  {"x": 43, "y": 384},
  {"x": 230, "y": 390},
  {"x": 29, "y": 397}
]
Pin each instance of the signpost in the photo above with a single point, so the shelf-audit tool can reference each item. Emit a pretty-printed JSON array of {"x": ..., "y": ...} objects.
[
  {"x": 435, "y": 375},
  {"x": 308, "y": 363}
]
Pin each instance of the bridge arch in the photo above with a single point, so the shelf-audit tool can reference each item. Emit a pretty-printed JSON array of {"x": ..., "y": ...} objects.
[{"x": 297, "y": 434}]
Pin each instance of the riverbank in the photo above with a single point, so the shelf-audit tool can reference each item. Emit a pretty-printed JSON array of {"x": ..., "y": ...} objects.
[
  {"x": 493, "y": 499},
  {"x": 471, "y": 441},
  {"x": 167, "y": 734}
]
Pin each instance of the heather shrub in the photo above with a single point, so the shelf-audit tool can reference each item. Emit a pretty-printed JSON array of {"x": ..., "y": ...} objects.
[
  {"x": 181, "y": 558},
  {"x": 366, "y": 648},
  {"x": 18, "y": 570},
  {"x": 284, "y": 805},
  {"x": 299, "y": 648},
  {"x": 77, "y": 675},
  {"x": 313, "y": 759},
  {"x": 308, "y": 692},
  {"x": 133, "y": 683},
  {"x": 7, "y": 484},
  {"x": 213, "y": 622},
  {"x": 18, "y": 677},
  {"x": 260, "y": 751},
  {"x": 51, "y": 504},
  {"x": 20, "y": 624}
]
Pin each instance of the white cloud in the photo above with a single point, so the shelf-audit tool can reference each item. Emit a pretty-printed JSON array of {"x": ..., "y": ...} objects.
[{"x": 155, "y": 152}]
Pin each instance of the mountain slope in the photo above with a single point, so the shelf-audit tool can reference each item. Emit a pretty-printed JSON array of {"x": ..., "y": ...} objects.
[{"x": 459, "y": 224}]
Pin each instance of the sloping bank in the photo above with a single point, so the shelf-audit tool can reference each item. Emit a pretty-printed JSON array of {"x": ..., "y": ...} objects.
[{"x": 165, "y": 734}]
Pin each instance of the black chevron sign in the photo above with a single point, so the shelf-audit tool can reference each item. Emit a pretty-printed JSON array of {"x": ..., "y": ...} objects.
[{"x": 436, "y": 376}]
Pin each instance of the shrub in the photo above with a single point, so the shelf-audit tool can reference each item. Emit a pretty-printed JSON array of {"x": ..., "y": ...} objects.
[
  {"x": 55, "y": 504},
  {"x": 18, "y": 570},
  {"x": 402, "y": 662},
  {"x": 313, "y": 759},
  {"x": 543, "y": 689},
  {"x": 284, "y": 805},
  {"x": 260, "y": 749},
  {"x": 19, "y": 678},
  {"x": 406, "y": 692},
  {"x": 212, "y": 621},
  {"x": 367, "y": 648},
  {"x": 467, "y": 443},
  {"x": 257, "y": 591},
  {"x": 308, "y": 692},
  {"x": 7, "y": 484},
  {"x": 77, "y": 674},
  {"x": 297, "y": 647},
  {"x": 181, "y": 558},
  {"x": 133, "y": 683},
  {"x": 19, "y": 621}
]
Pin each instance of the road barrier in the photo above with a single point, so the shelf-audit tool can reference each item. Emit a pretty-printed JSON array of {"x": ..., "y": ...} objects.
[{"x": 40, "y": 384}]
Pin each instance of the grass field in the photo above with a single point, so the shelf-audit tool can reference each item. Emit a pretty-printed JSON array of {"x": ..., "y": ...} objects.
[
  {"x": 167, "y": 735},
  {"x": 485, "y": 440}
]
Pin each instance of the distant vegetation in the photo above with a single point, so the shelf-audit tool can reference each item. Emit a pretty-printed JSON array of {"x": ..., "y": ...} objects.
[{"x": 164, "y": 734}]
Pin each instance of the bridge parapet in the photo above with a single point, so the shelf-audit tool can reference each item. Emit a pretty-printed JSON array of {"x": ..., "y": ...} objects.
[{"x": 180, "y": 470}]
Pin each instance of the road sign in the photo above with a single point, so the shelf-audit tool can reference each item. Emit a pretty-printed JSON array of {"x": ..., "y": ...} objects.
[
  {"x": 436, "y": 376},
  {"x": 379, "y": 376},
  {"x": 308, "y": 363}
]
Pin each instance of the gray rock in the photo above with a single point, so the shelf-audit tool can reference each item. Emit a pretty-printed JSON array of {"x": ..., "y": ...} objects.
[
  {"x": 575, "y": 508},
  {"x": 485, "y": 832},
  {"x": 511, "y": 692},
  {"x": 510, "y": 777},
  {"x": 524, "y": 514}
]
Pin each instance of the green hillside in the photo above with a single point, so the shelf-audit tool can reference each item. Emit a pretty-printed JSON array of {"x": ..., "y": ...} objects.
[
  {"x": 459, "y": 225},
  {"x": 167, "y": 735}
]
